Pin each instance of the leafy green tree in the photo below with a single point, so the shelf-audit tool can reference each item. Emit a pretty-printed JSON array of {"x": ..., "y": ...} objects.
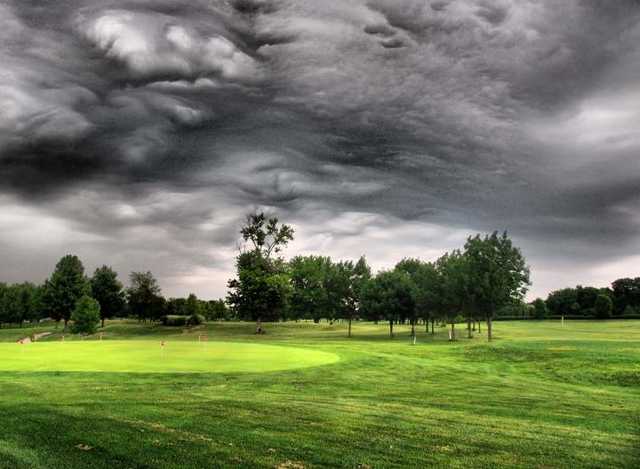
[
  {"x": 216, "y": 310},
  {"x": 603, "y": 306},
  {"x": 309, "y": 295},
  {"x": 85, "y": 316},
  {"x": 390, "y": 295},
  {"x": 562, "y": 302},
  {"x": 145, "y": 297},
  {"x": 351, "y": 279},
  {"x": 108, "y": 292},
  {"x": 540, "y": 308},
  {"x": 64, "y": 288},
  {"x": 262, "y": 287},
  {"x": 453, "y": 270},
  {"x": 498, "y": 273},
  {"x": 626, "y": 293}
]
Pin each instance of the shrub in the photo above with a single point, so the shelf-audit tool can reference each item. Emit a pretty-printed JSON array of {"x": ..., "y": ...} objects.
[
  {"x": 195, "y": 320},
  {"x": 174, "y": 320},
  {"x": 85, "y": 316}
]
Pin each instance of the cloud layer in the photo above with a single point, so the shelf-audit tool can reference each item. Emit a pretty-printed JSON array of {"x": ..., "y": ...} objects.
[{"x": 138, "y": 133}]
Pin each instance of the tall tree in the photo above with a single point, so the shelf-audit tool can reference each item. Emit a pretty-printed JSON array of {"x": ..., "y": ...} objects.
[
  {"x": 63, "y": 289},
  {"x": 498, "y": 273},
  {"x": 145, "y": 297},
  {"x": 108, "y": 292},
  {"x": 262, "y": 287}
]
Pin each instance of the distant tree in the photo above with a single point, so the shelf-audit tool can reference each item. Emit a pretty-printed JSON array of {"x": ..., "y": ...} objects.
[
  {"x": 216, "y": 310},
  {"x": 540, "y": 309},
  {"x": 428, "y": 288},
  {"x": 262, "y": 290},
  {"x": 262, "y": 287},
  {"x": 498, "y": 273},
  {"x": 64, "y": 288},
  {"x": 310, "y": 293},
  {"x": 626, "y": 293},
  {"x": 603, "y": 306},
  {"x": 108, "y": 292},
  {"x": 390, "y": 295},
  {"x": 352, "y": 278},
  {"x": 453, "y": 270},
  {"x": 145, "y": 297},
  {"x": 192, "y": 305},
  {"x": 85, "y": 316},
  {"x": 562, "y": 302},
  {"x": 586, "y": 299}
]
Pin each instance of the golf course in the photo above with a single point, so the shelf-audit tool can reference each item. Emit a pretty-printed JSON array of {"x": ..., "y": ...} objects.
[{"x": 542, "y": 394}]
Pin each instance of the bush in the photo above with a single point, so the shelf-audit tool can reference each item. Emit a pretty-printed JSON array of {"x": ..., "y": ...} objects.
[
  {"x": 195, "y": 320},
  {"x": 174, "y": 320},
  {"x": 86, "y": 316},
  {"x": 603, "y": 307}
]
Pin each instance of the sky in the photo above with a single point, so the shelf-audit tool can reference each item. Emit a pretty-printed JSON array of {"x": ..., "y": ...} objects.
[{"x": 139, "y": 134}]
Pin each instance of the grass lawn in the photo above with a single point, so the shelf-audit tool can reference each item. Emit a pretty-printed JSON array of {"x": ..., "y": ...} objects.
[{"x": 303, "y": 395}]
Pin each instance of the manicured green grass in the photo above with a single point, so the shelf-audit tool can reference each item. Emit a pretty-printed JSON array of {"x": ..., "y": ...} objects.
[
  {"x": 145, "y": 356},
  {"x": 540, "y": 395}
]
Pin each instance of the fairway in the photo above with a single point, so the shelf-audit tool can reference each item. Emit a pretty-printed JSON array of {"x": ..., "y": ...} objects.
[
  {"x": 146, "y": 356},
  {"x": 540, "y": 396}
]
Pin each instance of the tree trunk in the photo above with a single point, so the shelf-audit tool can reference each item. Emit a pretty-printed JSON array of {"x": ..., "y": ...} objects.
[
  {"x": 413, "y": 328},
  {"x": 479, "y": 331},
  {"x": 453, "y": 331},
  {"x": 66, "y": 321},
  {"x": 349, "y": 333},
  {"x": 469, "y": 329},
  {"x": 433, "y": 326},
  {"x": 489, "y": 328},
  {"x": 390, "y": 327},
  {"x": 103, "y": 322},
  {"x": 426, "y": 325}
]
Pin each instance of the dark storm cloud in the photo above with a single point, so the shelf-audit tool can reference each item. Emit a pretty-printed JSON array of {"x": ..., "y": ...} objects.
[{"x": 147, "y": 128}]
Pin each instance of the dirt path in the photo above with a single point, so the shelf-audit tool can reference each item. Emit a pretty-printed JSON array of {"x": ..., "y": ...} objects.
[{"x": 27, "y": 340}]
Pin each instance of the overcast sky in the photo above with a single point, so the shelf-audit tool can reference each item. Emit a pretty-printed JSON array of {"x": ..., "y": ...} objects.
[{"x": 139, "y": 133}]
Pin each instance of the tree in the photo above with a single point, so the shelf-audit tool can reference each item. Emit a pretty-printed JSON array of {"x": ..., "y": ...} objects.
[
  {"x": 262, "y": 287},
  {"x": 265, "y": 235},
  {"x": 561, "y": 302},
  {"x": 428, "y": 288},
  {"x": 498, "y": 273},
  {"x": 352, "y": 279},
  {"x": 309, "y": 295},
  {"x": 389, "y": 296},
  {"x": 539, "y": 308},
  {"x": 145, "y": 297},
  {"x": 85, "y": 316},
  {"x": 108, "y": 291},
  {"x": 216, "y": 310},
  {"x": 603, "y": 306},
  {"x": 453, "y": 297},
  {"x": 64, "y": 288},
  {"x": 626, "y": 293}
]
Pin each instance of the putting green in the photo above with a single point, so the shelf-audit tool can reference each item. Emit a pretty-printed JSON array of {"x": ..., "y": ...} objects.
[{"x": 145, "y": 356}]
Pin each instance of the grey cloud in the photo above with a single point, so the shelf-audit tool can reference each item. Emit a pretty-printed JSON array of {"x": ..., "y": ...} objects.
[{"x": 132, "y": 118}]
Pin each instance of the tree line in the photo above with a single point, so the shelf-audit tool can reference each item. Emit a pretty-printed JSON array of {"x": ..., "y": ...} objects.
[
  {"x": 621, "y": 300},
  {"x": 70, "y": 295},
  {"x": 469, "y": 284}
]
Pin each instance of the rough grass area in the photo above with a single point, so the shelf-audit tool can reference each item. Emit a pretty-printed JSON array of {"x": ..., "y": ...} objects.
[{"x": 540, "y": 396}]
